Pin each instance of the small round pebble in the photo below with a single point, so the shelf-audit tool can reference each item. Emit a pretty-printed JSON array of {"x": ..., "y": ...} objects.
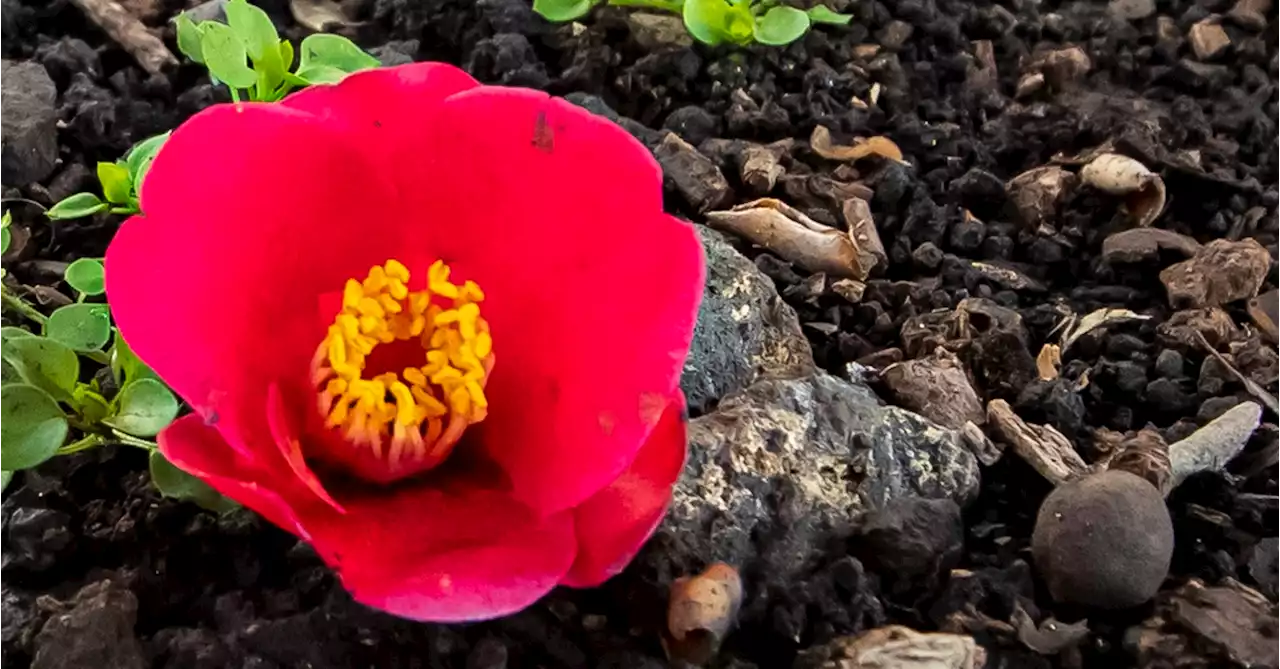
[{"x": 1103, "y": 541}]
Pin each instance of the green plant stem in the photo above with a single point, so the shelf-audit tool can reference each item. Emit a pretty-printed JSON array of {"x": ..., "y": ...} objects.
[
  {"x": 88, "y": 442},
  {"x": 100, "y": 357},
  {"x": 674, "y": 6},
  {"x": 15, "y": 303},
  {"x": 131, "y": 440}
]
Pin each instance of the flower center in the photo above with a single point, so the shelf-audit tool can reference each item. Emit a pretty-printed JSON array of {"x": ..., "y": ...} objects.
[{"x": 411, "y": 419}]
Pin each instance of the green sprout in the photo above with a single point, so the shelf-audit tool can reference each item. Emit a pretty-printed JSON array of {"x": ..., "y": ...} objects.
[
  {"x": 120, "y": 182},
  {"x": 246, "y": 53},
  {"x": 715, "y": 21}
]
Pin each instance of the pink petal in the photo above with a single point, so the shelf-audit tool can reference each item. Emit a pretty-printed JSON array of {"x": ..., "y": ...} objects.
[{"x": 614, "y": 523}]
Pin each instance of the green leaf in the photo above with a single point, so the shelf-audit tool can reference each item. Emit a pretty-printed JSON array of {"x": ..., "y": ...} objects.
[
  {"x": 320, "y": 74},
  {"x": 173, "y": 482},
  {"x": 43, "y": 363},
  {"x": 821, "y": 14},
  {"x": 253, "y": 26},
  {"x": 145, "y": 407},
  {"x": 559, "y": 11},
  {"x": 76, "y": 206},
  {"x": 706, "y": 20},
  {"x": 781, "y": 25},
  {"x": 140, "y": 157},
  {"x": 82, "y": 327},
  {"x": 334, "y": 51},
  {"x": 5, "y": 220},
  {"x": 224, "y": 55},
  {"x": 6, "y": 477},
  {"x": 125, "y": 366},
  {"x": 116, "y": 185},
  {"x": 32, "y": 426},
  {"x": 86, "y": 276},
  {"x": 91, "y": 406},
  {"x": 286, "y": 53},
  {"x": 189, "y": 38}
]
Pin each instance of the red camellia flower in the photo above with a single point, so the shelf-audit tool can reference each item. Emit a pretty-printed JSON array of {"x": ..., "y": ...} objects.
[{"x": 431, "y": 327}]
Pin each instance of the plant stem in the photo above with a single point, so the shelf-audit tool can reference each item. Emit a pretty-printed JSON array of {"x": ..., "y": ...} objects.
[
  {"x": 15, "y": 303},
  {"x": 674, "y": 6},
  {"x": 131, "y": 440},
  {"x": 88, "y": 442}
]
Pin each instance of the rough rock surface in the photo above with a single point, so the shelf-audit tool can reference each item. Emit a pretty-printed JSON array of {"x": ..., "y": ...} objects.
[
  {"x": 782, "y": 468},
  {"x": 745, "y": 331},
  {"x": 911, "y": 538},
  {"x": 30, "y": 134},
  {"x": 96, "y": 631},
  {"x": 1222, "y": 271}
]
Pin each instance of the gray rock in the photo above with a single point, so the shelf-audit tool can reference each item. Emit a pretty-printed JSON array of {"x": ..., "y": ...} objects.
[
  {"x": 658, "y": 31},
  {"x": 911, "y": 538},
  {"x": 96, "y": 632},
  {"x": 782, "y": 468},
  {"x": 29, "y": 144},
  {"x": 692, "y": 174},
  {"x": 1263, "y": 566},
  {"x": 745, "y": 332}
]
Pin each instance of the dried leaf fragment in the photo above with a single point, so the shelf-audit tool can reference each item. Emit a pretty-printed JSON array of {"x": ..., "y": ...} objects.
[
  {"x": 896, "y": 647},
  {"x": 1048, "y": 362},
  {"x": 884, "y": 147},
  {"x": 701, "y": 611},
  {"x": 1094, "y": 320},
  {"x": 319, "y": 15},
  {"x": 1146, "y": 454},
  {"x": 782, "y": 229},
  {"x": 1037, "y": 193},
  {"x": 1142, "y": 189}
]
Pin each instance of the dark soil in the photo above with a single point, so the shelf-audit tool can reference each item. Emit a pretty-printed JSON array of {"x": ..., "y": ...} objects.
[{"x": 235, "y": 592}]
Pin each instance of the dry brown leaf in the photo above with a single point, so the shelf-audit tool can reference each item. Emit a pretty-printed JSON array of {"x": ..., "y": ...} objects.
[
  {"x": 896, "y": 647},
  {"x": 782, "y": 229},
  {"x": 701, "y": 611},
  {"x": 884, "y": 147},
  {"x": 1048, "y": 362},
  {"x": 319, "y": 15},
  {"x": 1094, "y": 320}
]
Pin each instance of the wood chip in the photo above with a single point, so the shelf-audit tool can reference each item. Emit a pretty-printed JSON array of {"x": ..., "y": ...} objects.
[
  {"x": 127, "y": 31},
  {"x": 701, "y": 611},
  {"x": 1262, "y": 311},
  {"x": 822, "y": 144},
  {"x": 1142, "y": 189},
  {"x": 857, "y": 218},
  {"x": 1044, "y": 448},
  {"x": 319, "y": 15},
  {"x": 936, "y": 387},
  {"x": 1037, "y": 193},
  {"x": 1258, "y": 392},
  {"x": 1144, "y": 244},
  {"x": 761, "y": 167},
  {"x": 1208, "y": 39},
  {"x": 1048, "y": 362},
  {"x": 780, "y": 228}
]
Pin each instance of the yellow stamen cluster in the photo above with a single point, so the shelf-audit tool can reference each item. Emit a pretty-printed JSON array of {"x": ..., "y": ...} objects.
[{"x": 420, "y": 413}]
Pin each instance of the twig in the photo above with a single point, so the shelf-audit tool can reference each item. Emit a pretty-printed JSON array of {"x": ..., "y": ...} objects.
[
  {"x": 14, "y": 302},
  {"x": 1044, "y": 448},
  {"x": 1259, "y": 393},
  {"x": 1211, "y": 447},
  {"x": 129, "y": 33}
]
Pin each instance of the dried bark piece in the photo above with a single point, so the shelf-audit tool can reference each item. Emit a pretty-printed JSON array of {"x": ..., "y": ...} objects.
[
  {"x": 822, "y": 144},
  {"x": 1048, "y": 362},
  {"x": 1143, "y": 244},
  {"x": 1198, "y": 625},
  {"x": 1262, "y": 311},
  {"x": 778, "y": 227},
  {"x": 1268, "y": 400},
  {"x": 857, "y": 218},
  {"x": 1043, "y": 447},
  {"x": 1212, "y": 446},
  {"x": 849, "y": 289},
  {"x": 319, "y": 15},
  {"x": 1182, "y": 329},
  {"x": 701, "y": 611},
  {"x": 1222, "y": 271},
  {"x": 1208, "y": 39},
  {"x": 696, "y": 177},
  {"x": 760, "y": 167},
  {"x": 127, "y": 31},
  {"x": 1146, "y": 455},
  {"x": 1061, "y": 68},
  {"x": 936, "y": 387},
  {"x": 1251, "y": 14},
  {"x": 1037, "y": 193},
  {"x": 1142, "y": 189},
  {"x": 986, "y": 451},
  {"x": 895, "y": 647}
]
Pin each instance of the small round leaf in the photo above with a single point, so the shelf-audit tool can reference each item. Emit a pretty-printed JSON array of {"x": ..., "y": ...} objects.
[
  {"x": 76, "y": 206},
  {"x": 335, "y": 51},
  {"x": 32, "y": 426},
  {"x": 224, "y": 55},
  {"x": 781, "y": 25},
  {"x": 115, "y": 181},
  {"x": 189, "y": 38},
  {"x": 85, "y": 275},
  {"x": 82, "y": 327},
  {"x": 44, "y": 363},
  {"x": 6, "y": 477},
  {"x": 559, "y": 11},
  {"x": 253, "y": 26},
  {"x": 823, "y": 14},
  {"x": 146, "y": 406},
  {"x": 707, "y": 20}
]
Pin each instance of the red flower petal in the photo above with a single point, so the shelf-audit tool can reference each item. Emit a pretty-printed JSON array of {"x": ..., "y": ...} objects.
[
  {"x": 614, "y": 523},
  {"x": 197, "y": 449},
  {"x": 592, "y": 290},
  {"x": 444, "y": 555},
  {"x": 249, "y": 212}
]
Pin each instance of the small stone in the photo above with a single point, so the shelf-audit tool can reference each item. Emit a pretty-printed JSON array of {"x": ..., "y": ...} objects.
[
  {"x": 979, "y": 186},
  {"x": 1132, "y": 10},
  {"x": 658, "y": 31},
  {"x": 1122, "y": 346},
  {"x": 96, "y": 632},
  {"x": 1169, "y": 396},
  {"x": 895, "y": 34},
  {"x": 1037, "y": 193},
  {"x": 1208, "y": 39},
  {"x": 911, "y": 538},
  {"x": 938, "y": 388},
  {"x": 1214, "y": 407},
  {"x": 29, "y": 144},
  {"x": 1263, "y": 566},
  {"x": 1250, "y": 14},
  {"x": 927, "y": 256},
  {"x": 397, "y": 52},
  {"x": 693, "y": 123},
  {"x": 1222, "y": 271},
  {"x": 745, "y": 331},
  {"x": 693, "y": 174},
  {"x": 36, "y": 538},
  {"x": 1170, "y": 364},
  {"x": 1104, "y": 541},
  {"x": 1144, "y": 244},
  {"x": 967, "y": 234},
  {"x": 1197, "y": 75},
  {"x": 490, "y": 653}
]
